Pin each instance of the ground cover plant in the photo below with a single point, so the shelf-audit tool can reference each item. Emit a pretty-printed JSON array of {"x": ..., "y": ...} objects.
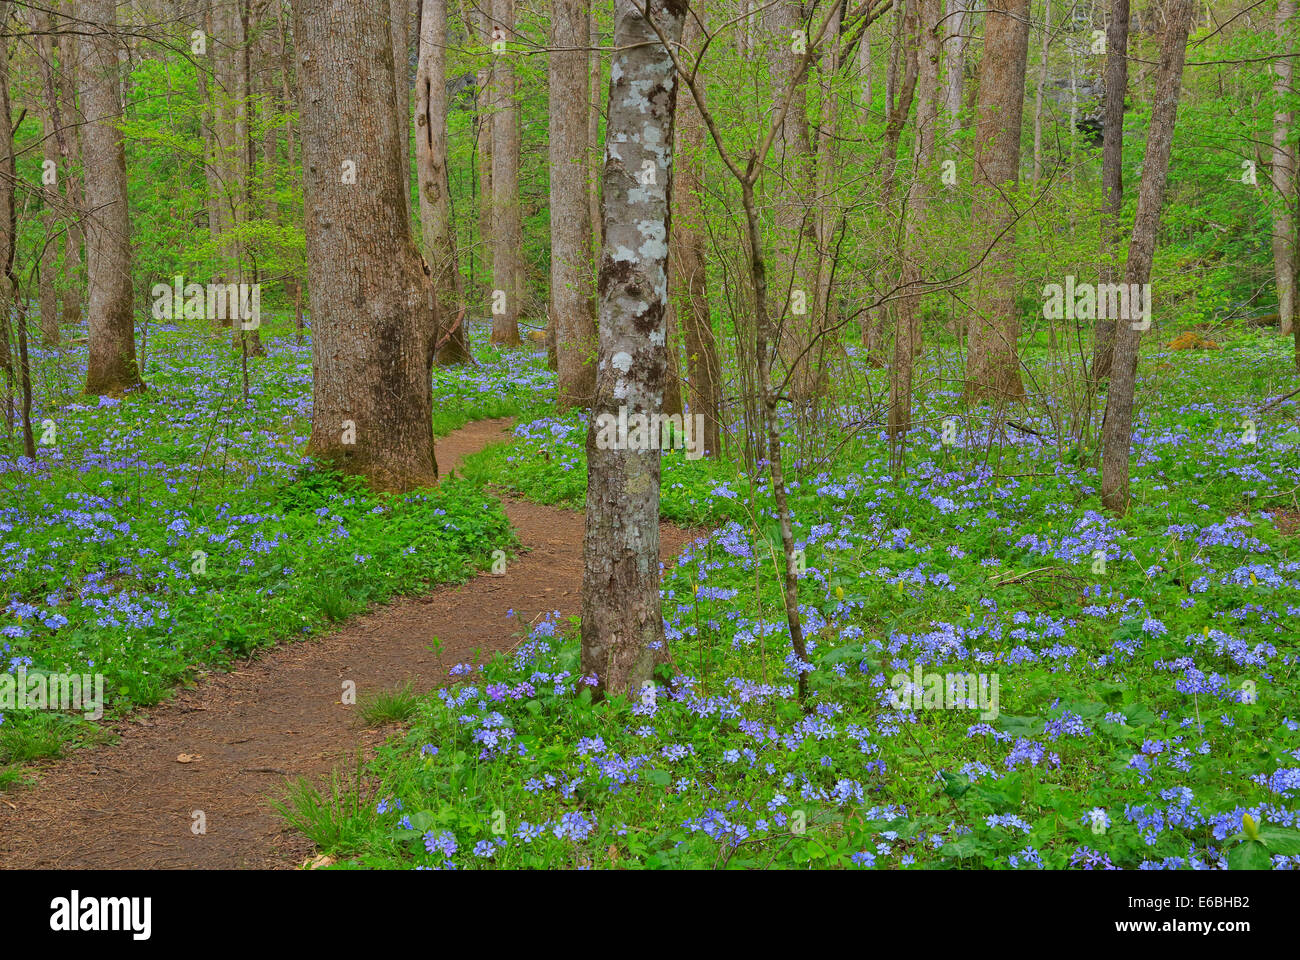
[
  {"x": 651, "y": 434},
  {"x": 1147, "y": 668},
  {"x": 170, "y": 532}
]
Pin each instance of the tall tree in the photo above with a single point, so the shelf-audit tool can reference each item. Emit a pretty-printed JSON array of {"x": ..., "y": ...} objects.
[
  {"x": 795, "y": 288},
  {"x": 485, "y": 99},
  {"x": 622, "y": 628},
  {"x": 595, "y": 155},
  {"x": 686, "y": 269},
  {"x": 1284, "y": 177},
  {"x": 248, "y": 338},
  {"x": 917, "y": 209},
  {"x": 111, "y": 367},
  {"x": 507, "y": 223},
  {"x": 827, "y": 216},
  {"x": 7, "y": 220},
  {"x": 268, "y": 93},
  {"x": 399, "y": 12},
  {"x": 372, "y": 306},
  {"x": 1038, "y": 93},
  {"x": 1114, "y": 90},
  {"x": 432, "y": 179},
  {"x": 958, "y": 24},
  {"x": 1117, "y": 430},
  {"x": 70, "y": 151},
  {"x": 44, "y": 47},
  {"x": 992, "y": 360},
  {"x": 571, "y": 273},
  {"x": 209, "y": 81},
  {"x": 230, "y": 132}
]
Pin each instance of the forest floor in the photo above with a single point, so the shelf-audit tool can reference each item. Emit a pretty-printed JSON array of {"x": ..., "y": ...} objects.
[
  {"x": 225, "y": 746},
  {"x": 1142, "y": 673}
]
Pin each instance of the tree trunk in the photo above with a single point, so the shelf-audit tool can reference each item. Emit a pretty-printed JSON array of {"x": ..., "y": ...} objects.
[
  {"x": 111, "y": 367},
  {"x": 248, "y": 339},
  {"x": 51, "y": 136},
  {"x": 1284, "y": 156},
  {"x": 1112, "y": 173},
  {"x": 399, "y": 12},
  {"x": 70, "y": 149},
  {"x": 1117, "y": 430},
  {"x": 268, "y": 92},
  {"x": 828, "y": 215},
  {"x": 957, "y": 24},
  {"x": 372, "y": 306},
  {"x": 596, "y": 157},
  {"x": 896, "y": 51},
  {"x": 432, "y": 180},
  {"x": 8, "y": 222},
  {"x": 571, "y": 273},
  {"x": 795, "y": 289},
  {"x": 1038, "y": 93},
  {"x": 209, "y": 81},
  {"x": 687, "y": 272},
  {"x": 907, "y": 43},
  {"x": 992, "y": 359},
  {"x": 485, "y": 102},
  {"x": 622, "y": 628},
  {"x": 917, "y": 206},
  {"x": 864, "y": 69},
  {"x": 507, "y": 227}
]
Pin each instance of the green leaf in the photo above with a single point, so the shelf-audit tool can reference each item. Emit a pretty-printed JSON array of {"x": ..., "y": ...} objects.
[
  {"x": 1283, "y": 840},
  {"x": 423, "y": 820},
  {"x": 955, "y": 784},
  {"x": 1251, "y": 855}
]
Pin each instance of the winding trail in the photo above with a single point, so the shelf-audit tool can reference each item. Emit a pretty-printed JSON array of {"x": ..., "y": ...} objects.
[{"x": 130, "y": 805}]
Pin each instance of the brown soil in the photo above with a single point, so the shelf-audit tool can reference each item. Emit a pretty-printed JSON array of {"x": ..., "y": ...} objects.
[
  {"x": 1287, "y": 522},
  {"x": 131, "y": 804}
]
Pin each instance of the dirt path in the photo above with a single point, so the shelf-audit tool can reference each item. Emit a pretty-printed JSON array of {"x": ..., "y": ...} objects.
[{"x": 130, "y": 805}]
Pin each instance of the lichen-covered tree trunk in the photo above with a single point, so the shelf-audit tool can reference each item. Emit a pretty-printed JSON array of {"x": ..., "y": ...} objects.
[
  {"x": 111, "y": 367},
  {"x": 622, "y": 628},
  {"x": 432, "y": 180},
  {"x": 571, "y": 272},
  {"x": 993, "y": 357},
  {"x": 687, "y": 272},
  {"x": 1117, "y": 430},
  {"x": 1284, "y": 177},
  {"x": 1115, "y": 87},
  {"x": 507, "y": 225},
  {"x": 372, "y": 306}
]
